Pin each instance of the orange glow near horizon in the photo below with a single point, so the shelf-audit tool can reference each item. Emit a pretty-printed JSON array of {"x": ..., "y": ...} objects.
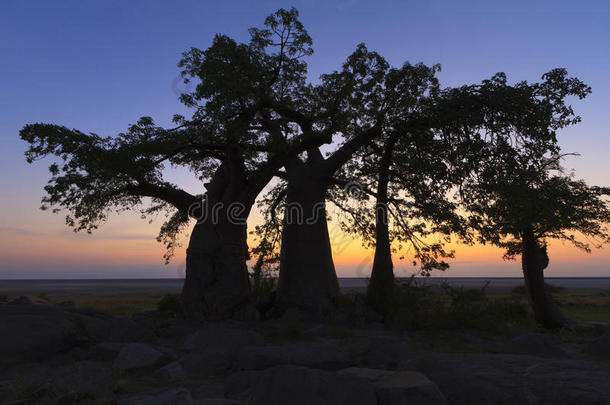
[{"x": 129, "y": 242}]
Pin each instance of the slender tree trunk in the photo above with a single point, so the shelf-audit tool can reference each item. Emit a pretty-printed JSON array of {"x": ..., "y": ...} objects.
[
  {"x": 307, "y": 277},
  {"x": 381, "y": 285},
  {"x": 534, "y": 260}
]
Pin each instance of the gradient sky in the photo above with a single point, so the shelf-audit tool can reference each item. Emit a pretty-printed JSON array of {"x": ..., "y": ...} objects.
[{"x": 99, "y": 65}]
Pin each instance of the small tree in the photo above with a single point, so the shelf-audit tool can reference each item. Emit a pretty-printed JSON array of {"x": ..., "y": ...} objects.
[
  {"x": 413, "y": 171},
  {"x": 523, "y": 211},
  {"x": 406, "y": 174},
  {"x": 374, "y": 102},
  {"x": 515, "y": 194}
]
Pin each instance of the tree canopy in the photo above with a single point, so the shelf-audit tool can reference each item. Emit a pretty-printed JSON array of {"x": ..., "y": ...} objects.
[{"x": 479, "y": 161}]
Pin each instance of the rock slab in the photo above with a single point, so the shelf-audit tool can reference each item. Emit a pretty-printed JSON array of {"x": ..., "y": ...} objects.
[
  {"x": 304, "y": 386},
  {"x": 138, "y": 355}
]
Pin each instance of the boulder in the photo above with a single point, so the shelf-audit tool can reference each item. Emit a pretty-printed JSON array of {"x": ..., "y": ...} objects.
[
  {"x": 123, "y": 330},
  {"x": 58, "y": 380},
  {"x": 473, "y": 379},
  {"x": 598, "y": 348},
  {"x": 35, "y": 332},
  {"x": 173, "y": 371},
  {"x": 174, "y": 328},
  {"x": 105, "y": 351},
  {"x": 205, "y": 362},
  {"x": 319, "y": 330},
  {"x": 86, "y": 378},
  {"x": 240, "y": 385},
  {"x": 400, "y": 387},
  {"x": 314, "y": 354},
  {"x": 304, "y": 386},
  {"x": 380, "y": 352},
  {"x": 138, "y": 355},
  {"x": 517, "y": 379},
  {"x": 208, "y": 389},
  {"x": 565, "y": 382},
  {"x": 535, "y": 344},
  {"x": 229, "y": 338},
  {"x": 172, "y": 396},
  {"x": 66, "y": 305},
  {"x": 370, "y": 374},
  {"x": 407, "y": 387}
]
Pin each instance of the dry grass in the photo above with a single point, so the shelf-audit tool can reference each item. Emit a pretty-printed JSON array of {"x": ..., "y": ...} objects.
[
  {"x": 118, "y": 305},
  {"x": 582, "y": 305}
]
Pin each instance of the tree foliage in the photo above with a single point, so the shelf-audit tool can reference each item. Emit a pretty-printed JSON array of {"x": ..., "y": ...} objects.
[
  {"x": 517, "y": 182},
  {"x": 247, "y": 99}
]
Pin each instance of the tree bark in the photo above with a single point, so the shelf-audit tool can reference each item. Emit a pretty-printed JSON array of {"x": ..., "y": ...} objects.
[
  {"x": 307, "y": 277},
  {"x": 216, "y": 284},
  {"x": 534, "y": 260},
  {"x": 381, "y": 285}
]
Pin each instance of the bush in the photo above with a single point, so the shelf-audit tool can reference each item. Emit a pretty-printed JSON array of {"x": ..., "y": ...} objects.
[
  {"x": 263, "y": 279},
  {"x": 423, "y": 306},
  {"x": 43, "y": 296},
  {"x": 170, "y": 305},
  {"x": 520, "y": 290}
]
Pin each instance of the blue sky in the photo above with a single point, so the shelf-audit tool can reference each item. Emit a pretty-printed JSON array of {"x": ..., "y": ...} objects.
[{"x": 98, "y": 66}]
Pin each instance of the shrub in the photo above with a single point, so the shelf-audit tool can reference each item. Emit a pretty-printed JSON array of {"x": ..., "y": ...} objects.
[
  {"x": 520, "y": 290},
  {"x": 169, "y": 305},
  {"x": 43, "y": 296},
  {"x": 423, "y": 306},
  {"x": 263, "y": 281}
]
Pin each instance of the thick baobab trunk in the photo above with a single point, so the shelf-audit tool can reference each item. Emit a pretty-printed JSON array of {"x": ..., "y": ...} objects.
[
  {"x": 216, "y": 284},
  {"x": 307, "y": 274},
  {"x": 381, "y": 285},
  {"x": 534, "y": 260}
]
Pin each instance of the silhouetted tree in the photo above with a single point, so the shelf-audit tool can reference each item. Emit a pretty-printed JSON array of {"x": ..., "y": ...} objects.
[
  {"x": 406, "y": 174},
  {"x": 307, "y": 277},
  {"x": 413, "y": 174},
  {"x": 372, "y": 102},
  {"x": 522, "y": 208},
  {"x": 516, "y": 197},
  {"x": 242, "y": 131}
]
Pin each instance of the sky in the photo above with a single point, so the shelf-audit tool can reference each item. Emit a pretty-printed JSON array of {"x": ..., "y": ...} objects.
[{"x": 99, "y": 65}]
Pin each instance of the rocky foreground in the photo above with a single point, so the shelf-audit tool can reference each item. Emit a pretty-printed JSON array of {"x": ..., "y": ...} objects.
[{"x": 63, "y": 354}]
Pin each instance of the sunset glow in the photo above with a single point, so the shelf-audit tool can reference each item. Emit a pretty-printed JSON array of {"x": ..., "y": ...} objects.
[{"x": 99, "y": 68}]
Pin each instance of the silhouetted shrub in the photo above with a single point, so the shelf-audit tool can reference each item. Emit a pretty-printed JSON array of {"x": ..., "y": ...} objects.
[
  {"x": 420, "y": 305},
  {"x": 169, "y": 305},
  {"x": 263, "y": 280},
  {"x": 43, "y": 296},
  {"x": 520, "y": 290}
]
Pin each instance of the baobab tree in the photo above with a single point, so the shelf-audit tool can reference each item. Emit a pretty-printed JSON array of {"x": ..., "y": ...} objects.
[
  {"x": 406, "y": 175},
  {"x": 517, "y": 196},
  {"x": 371, "y": 101},
  {"x": 413, "y": 174},
  {"x": 307, "y": 277},
  {"x": 523, "y": 205},
  {"x": 241, "y": 133}
]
